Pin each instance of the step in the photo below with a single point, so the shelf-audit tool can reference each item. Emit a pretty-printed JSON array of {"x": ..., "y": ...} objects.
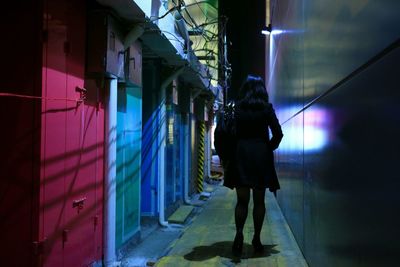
[
  {"x": 181, "y": 214},
  {"x": 174, "y": 261}
]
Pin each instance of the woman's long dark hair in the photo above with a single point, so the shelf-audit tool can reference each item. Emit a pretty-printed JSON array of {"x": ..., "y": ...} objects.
[{"x": 253, "y": 94}]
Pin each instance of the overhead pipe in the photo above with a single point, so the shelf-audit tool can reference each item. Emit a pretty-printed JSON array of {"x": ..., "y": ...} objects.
[
  {"x": 180, "y": 25},
  {"x": 185, "y": 99},
  {"x": 186, "y": 153},
  {"x": 162, "y": 147},
  {"x": 210, "y": 106}
]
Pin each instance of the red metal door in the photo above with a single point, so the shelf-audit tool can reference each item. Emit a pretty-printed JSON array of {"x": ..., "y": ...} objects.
[
  {"x": 72, "y": 143},
  {"x": 53, "y": 141},
  {"x": 81, "y": 147}
]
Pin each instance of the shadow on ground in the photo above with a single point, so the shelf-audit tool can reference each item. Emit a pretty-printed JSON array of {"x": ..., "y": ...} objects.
[{"x": 223, "y": 249}]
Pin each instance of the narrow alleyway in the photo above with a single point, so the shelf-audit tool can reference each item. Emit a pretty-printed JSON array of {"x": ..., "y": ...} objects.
[
  {"x": 109, "y": 110},
  {"x": 207, "y": 240}
]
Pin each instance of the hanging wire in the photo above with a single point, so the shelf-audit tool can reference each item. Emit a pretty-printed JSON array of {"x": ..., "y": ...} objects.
[
  {"x": 80, "y": 100},
  {"x": 208, "y": 39}
]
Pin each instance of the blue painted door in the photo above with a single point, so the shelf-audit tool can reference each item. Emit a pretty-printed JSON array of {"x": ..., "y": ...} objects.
[
  {"x": 129, "y": 134},
  {"x": 174, "y": 183}
]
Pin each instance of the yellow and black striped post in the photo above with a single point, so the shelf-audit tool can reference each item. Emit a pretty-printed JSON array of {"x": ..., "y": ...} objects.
[{"x": 200, "y": 156}]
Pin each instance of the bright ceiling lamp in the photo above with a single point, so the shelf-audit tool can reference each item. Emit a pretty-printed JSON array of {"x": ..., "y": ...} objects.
[{"x": 267, "y": 30}]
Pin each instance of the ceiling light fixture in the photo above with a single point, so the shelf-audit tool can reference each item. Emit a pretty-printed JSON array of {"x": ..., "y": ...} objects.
[{"x": 267, "y": 30}]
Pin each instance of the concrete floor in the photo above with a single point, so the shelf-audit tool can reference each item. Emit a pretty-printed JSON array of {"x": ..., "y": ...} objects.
[{"x": 206, "y": 239}]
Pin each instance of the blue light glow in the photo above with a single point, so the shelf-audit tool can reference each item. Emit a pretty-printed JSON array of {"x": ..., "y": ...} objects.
[
  {"x": 310, "y": 132},
  {"x": 275, "y": 32}
]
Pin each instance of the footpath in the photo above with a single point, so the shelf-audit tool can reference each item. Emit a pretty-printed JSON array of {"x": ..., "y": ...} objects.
[{"x": 207, "y": 239}]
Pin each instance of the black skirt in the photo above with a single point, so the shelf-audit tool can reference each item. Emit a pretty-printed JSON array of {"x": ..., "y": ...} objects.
[{"x": 252, "y": 166}]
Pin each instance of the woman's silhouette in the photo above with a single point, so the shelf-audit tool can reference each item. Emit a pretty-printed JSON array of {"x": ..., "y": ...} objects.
[{"x": 253, "y": 162}]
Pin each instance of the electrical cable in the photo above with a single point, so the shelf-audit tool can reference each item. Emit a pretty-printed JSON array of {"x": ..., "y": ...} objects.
[
  {"x": 198, "y": 4},
  {"x": 207, "y": 35},
  {"x": 191, "y": 18},
  {"x": 42, "y": 98},
  {"x": 166, "y": 13},
  {"x": 201, "y": 2},
  {"x": 176, "y": 37}
]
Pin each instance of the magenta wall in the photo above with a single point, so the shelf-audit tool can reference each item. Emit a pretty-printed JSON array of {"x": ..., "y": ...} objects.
[
  {"x": 51, "y": 148},
  {"x": 72, "y": 143}
]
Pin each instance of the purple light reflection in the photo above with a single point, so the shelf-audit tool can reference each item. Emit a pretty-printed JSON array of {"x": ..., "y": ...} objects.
[{"x": 310, "y": 132}]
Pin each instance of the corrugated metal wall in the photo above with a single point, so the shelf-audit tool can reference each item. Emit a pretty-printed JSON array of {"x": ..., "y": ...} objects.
[{"x": 339, "y": 106}]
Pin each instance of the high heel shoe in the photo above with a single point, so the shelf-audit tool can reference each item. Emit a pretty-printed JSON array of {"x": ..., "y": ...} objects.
[
  {"x": 257, "y": 245},
  {"x": 237, "y": 246}
]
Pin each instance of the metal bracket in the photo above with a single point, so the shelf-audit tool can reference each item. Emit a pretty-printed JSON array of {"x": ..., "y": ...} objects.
[
  {"x": 79, "y": 203},
  {"x": 39, "y": 246}
]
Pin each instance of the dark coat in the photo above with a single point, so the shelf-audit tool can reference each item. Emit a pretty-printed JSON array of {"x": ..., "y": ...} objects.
[{"x": 252, "y": 164}]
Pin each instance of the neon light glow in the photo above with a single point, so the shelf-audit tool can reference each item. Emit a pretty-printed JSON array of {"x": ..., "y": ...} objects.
[
  {"x": 274, "y": 32},
  {"x": 310, "y": 132}
]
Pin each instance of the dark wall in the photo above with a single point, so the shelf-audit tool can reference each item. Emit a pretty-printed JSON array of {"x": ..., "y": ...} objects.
[
  {"x": 246, "y": 44},
  {"x": 20, "y": 131},
  {"x": 334, "y": 83}
]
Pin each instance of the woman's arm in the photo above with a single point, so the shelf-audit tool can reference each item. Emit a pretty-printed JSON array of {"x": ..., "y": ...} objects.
[{"x": 275, "y": 127}]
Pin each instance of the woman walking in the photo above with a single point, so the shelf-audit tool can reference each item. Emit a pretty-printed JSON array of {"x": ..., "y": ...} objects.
[{"x": 253, "y": 162}]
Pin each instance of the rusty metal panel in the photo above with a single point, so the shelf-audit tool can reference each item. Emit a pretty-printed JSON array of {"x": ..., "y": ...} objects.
[
  {"x": 115, "y": 48},
  {"x": 134, "y": 64},
  {"x": 106, "y": 55}
]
